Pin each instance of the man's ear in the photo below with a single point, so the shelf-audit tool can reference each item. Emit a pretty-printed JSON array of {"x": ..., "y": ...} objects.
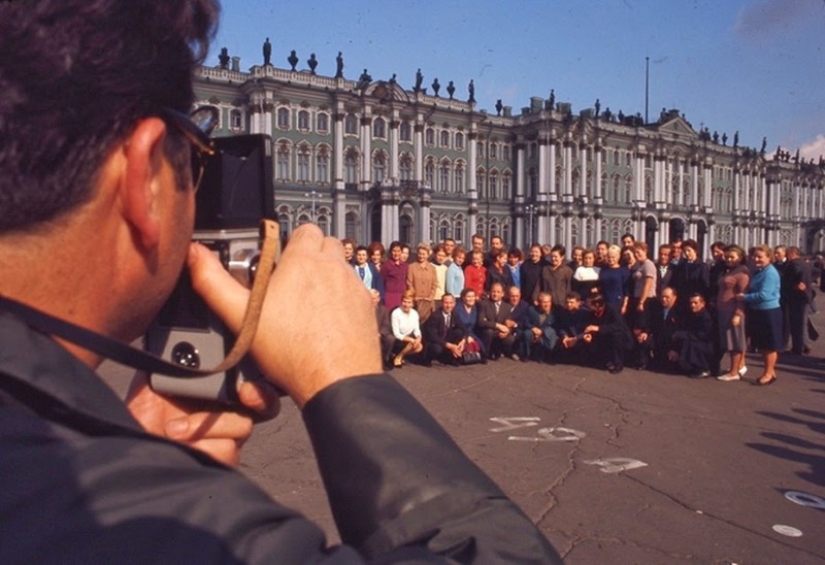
[{"x": 142, "y": 182}]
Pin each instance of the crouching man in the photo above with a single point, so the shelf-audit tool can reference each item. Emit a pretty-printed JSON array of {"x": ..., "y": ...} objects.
[{"x": 444, "y": 335}]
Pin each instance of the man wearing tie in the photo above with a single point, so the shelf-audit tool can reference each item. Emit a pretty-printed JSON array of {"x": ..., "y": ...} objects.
[
  {"x": 496, "y": 336},
  {"x": 664, "y": 322},
  {"x": 444, "y": 334},
  {"x": 367, "y": 272}
]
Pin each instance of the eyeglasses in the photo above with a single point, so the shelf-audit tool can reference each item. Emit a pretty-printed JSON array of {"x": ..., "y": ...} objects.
[{"x": 196, "y": 129}]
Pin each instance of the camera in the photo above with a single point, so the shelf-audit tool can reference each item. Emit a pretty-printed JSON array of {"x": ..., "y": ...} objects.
[{"x": 235, "y": 194}]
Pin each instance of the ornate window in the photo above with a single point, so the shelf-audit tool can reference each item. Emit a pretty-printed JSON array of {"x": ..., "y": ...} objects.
[
  {"x": 444, "y": 176},
  {"x": 351, "y": 225},
  {"x": 459, "y": 141},
  {"x": 379, "y": 166},
  {"x": 322, "y": 165},
  {"x": 351, "y": 166},
  {"x": 235, "y": 120},
  {"x": 283, "y": 118},
  {"x": 429, "y": 137},
  {"x": 506, "y": 192},
  {"x": 505, "y": 152},
  {"x": 429, "y": 172},
  {"x": 405, "y": 131},
  {"x": 480, "y": 186},
  {"x": 493, "y": 151},
  {"x": 322, "y": 122},
  {"x": 445, "y": 139},
  {"x": 282, "y": 162},
  {"x": 458, "y": 187},
  {"x": 351, "y": 124},
  {"x": 303, "y": 120},
  {"x": 405, "y": 167},
  {"x": 379, "y": 128},
  {"x": 494, "y": 188},
  {"x": 303, "y": 163}
]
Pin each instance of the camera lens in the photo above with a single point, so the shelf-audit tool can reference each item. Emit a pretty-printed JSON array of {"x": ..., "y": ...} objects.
[{"x": 184, "y": 353}]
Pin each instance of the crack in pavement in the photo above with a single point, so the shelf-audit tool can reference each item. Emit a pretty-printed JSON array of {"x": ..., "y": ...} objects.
[{"x": 720, "y": 518}]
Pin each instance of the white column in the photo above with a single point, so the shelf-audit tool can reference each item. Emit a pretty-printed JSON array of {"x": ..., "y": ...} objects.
[
  {"x": 366, "y": 150},
  {"x": 553, "y": 190},
  {"x": 393, "y": 164},
  {"x": 583, "y": 171},
  {"x": 707, "y": 171},
  {"x": 597, "y": 222},
  {"x": 694, "y": 184},
  {"x": 338, "y": 149},
  {"x": 418, "y": 148},
  {"x": 543, "y": 188},
  {"x": 567, "y": 169}
]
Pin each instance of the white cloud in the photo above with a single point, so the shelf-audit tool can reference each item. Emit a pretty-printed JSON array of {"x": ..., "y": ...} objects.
[{"x": 813, "y": 149}]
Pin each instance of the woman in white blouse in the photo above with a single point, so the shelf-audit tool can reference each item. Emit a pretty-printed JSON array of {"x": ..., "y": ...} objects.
[{"x": 406, "y": 329}]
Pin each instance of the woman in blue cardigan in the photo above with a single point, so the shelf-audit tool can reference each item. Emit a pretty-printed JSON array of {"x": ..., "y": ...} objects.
[{"x": 762, "y": 299}]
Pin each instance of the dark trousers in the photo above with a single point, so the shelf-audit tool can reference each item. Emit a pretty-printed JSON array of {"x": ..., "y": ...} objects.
[
  {"x": 494, "y": 345},
  {"x": 797, "y": 324}
]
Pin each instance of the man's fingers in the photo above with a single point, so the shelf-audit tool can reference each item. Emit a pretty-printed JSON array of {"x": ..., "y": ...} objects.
[
  {"x": 260, "y": 397},
  {"x": 223, "y": 294},
  {"x": 209, "y": 425}
]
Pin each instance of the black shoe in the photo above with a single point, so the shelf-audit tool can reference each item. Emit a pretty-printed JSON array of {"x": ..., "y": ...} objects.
[
  {"x": 427, "y": 363},
  {"x": 615, "y": 369}
]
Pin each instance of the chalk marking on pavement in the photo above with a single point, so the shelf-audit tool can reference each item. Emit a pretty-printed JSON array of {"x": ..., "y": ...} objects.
[
  {"x": 805, "y": 499},
  {"x": 787, "y": 531},
  {"x": 514, "y": 422},
  {"x": 549, "y": 434},
  {"x": 616, "y": 464}
]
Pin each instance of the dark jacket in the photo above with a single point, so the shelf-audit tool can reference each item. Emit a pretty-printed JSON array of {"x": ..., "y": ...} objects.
[
  {"x": 70, "y": 449},
  {"x": 435, "y": 331}
]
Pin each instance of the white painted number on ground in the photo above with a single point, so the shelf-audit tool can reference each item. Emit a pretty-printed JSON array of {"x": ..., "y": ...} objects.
[
  {"x": 514, "y": 423},
  {"x": 805, "y": 499},
  {"x": 552, "y": 434},
  {"x": 616, "y": 464}
]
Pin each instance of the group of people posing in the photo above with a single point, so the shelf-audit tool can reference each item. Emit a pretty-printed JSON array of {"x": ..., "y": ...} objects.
[{"x": 607, "y": 307}]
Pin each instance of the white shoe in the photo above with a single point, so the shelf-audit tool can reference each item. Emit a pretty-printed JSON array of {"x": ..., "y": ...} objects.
[
  {"x": 728, "y": 378},
  {"x": 742, "y": 371}
]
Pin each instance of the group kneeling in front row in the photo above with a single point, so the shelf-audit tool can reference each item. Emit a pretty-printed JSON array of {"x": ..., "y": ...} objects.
[{"x": 590, "y": 333}]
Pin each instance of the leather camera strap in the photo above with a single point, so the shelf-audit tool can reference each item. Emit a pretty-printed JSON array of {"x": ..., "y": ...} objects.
[{"x": 141, "y": 360}]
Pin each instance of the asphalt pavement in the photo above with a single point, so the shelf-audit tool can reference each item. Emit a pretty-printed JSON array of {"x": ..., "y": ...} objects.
[{"x": 637, "y": 467}]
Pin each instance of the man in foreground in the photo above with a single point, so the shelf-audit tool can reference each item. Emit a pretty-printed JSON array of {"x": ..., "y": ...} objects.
[{"x": 94, "y": 162}]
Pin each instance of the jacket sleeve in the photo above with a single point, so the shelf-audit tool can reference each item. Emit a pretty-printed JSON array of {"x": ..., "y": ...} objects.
[{"x": 395, "y": 478}]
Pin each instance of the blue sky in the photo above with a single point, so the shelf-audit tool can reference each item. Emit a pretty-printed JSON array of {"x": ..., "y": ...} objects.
[{"x": 757, "y": 66}]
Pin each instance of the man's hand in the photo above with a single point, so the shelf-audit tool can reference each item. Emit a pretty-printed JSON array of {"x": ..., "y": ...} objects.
[
  {"x": 317, "y": 325},
  {"x": 207, "y": 426}
]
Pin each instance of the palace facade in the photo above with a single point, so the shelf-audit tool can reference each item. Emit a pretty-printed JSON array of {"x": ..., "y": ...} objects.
[{"x": 373, "y": 161}]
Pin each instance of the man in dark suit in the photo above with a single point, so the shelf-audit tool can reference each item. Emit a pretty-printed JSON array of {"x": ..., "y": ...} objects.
[
  {"x": 607, "y": 336},
  {"x": 517, "y": 320},
  {"x": 497, "y": 338},
  {"x": 664, "y": 268},
  {"x": 572, "y": 320},
  {"x": 443, "y": 334},
  {"x": 658, "y": 337},
  {"x": 798, "y": 290},
  {"x": 694, "y": 340},
  {"x": 539, "y": 337}
]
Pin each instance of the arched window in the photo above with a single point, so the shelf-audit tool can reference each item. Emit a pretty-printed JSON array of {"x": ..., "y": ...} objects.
[
  {"x": 458, "y": 228},
  {"x": 459, "y": 141},
  {"x": 494, "y": 187},
  {"x": 443, "y": 230},
  {"x": 406, "y": 229},
  {"x": 429, "y": 172},
  {"x": 351, "y": 166},
  {"x": 351, "y": 225},
  {"x": 303, "y": 120},
  {"x": 445, "y": 138},
  {"x": 493, "y": 151},
  {"x": 322, "y": 122},
  {"x": 506, "y": 191},
  {"x": 480, "y": 186},
  {"x": 322, "y": 165},
  {"x": 351, "y": 124},
  {"x": 303, "y": 163},
  {"x": 628, "y": 189},
  {"x": 235, "y": 120},
  {"x": 505, "y": 152},
  {"x": 405, "y": 131},
  {"x": 282, "y": 162},
  {"x": 459, "y": 178},
  {"x": 405, "y": 167},
  {"x": 429, "y": 137},
  {"x": 533, "y": 183},
  {"x": 283, "y": 118},
  {"x": 379, "y": 128},
  {"x": 323, "y": 223},
  {"x": 444, "y": 176},
  {"x": 379, "y": 165}
]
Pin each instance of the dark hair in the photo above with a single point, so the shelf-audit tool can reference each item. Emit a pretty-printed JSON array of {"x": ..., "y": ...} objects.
[
  {"x": 559, "y": 248},
  {"x": 515, "y": 252},
  {"x": 361, "y": 248},
  {"x": 76, "y": 77}
]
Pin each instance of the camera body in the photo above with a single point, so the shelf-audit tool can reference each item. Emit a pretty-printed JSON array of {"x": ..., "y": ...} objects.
[{"x": 235, "y": 194}]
